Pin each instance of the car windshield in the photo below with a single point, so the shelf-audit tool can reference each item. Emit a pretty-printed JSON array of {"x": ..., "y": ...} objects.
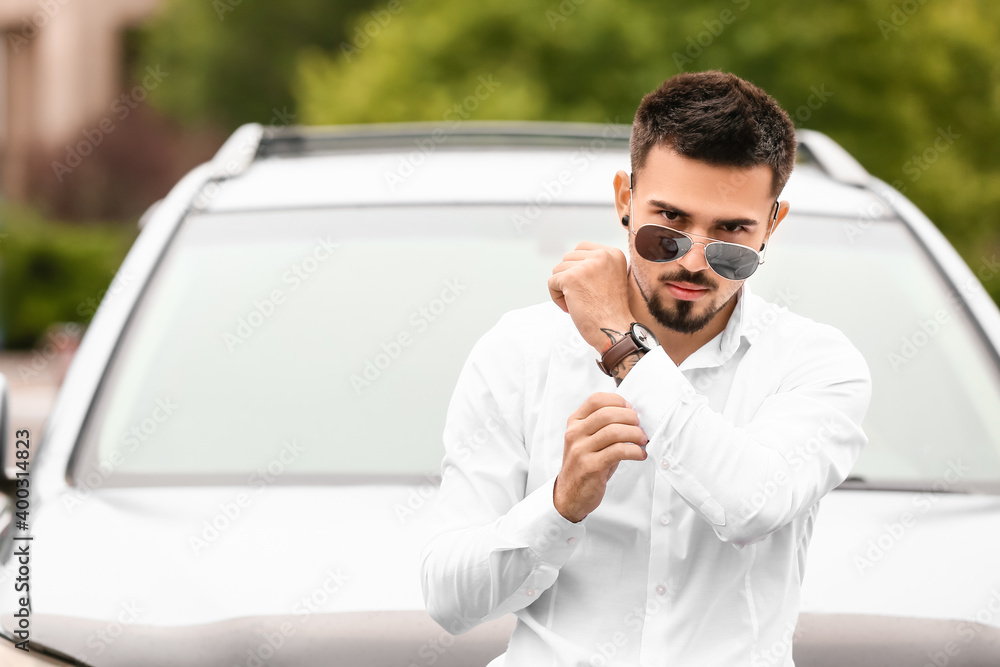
[{"x": 333, "y": 340}]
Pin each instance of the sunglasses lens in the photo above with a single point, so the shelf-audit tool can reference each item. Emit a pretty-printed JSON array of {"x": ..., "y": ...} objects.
[
  {"x": 656, "y": 243},
  {"x": 731, "y": 261}
]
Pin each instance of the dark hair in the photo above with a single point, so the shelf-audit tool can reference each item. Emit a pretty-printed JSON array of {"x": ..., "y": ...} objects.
[{"x": 716, "y": 117}]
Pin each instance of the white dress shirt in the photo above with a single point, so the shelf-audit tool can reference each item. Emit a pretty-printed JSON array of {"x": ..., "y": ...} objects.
[{"x": 695, "y": 556}]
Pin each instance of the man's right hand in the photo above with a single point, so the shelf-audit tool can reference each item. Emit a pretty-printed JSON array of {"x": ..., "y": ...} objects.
[{"x": 601, "y": 433}]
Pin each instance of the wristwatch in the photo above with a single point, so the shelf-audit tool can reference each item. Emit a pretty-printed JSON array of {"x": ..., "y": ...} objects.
[{"x": 638, "y": 337}]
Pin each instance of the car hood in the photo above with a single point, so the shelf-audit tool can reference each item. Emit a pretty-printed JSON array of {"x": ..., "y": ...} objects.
[
  {"x": 896, "y": 553},
  {"x": 161, "y": 557},
  {"x": 151, "y": 560},
  {"x": 189, "y": 555}
]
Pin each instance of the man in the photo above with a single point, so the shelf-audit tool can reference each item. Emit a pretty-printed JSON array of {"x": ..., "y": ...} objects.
[{"x": 653, "y": 508}]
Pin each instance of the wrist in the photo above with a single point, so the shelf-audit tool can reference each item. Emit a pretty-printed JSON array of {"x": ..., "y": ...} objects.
[
  {"x": 622, "y": 368},
  {"x": 611, "y": 334},
  {"x": 629, "y": 348},
  {"x": 565, "y": 513}
]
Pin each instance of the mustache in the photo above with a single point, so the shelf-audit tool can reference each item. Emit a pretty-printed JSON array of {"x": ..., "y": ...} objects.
[{"x": 687, "y": 277}]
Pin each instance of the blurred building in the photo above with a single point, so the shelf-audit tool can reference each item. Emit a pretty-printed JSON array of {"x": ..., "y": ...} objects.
[{"x": 60, "y": 74}]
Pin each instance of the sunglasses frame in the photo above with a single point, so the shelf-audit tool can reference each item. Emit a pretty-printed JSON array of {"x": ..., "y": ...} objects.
[{"x": 760, "y": 255}]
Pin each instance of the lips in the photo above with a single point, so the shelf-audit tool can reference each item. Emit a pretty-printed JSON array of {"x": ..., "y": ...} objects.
[{"x": 686, "y": 291}]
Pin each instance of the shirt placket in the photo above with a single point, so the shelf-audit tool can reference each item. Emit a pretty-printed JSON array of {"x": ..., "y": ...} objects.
[{"x": 659, "y": 587}]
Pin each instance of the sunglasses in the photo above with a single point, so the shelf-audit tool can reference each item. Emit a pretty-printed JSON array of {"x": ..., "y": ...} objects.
[{"x": 732, "y": 261}]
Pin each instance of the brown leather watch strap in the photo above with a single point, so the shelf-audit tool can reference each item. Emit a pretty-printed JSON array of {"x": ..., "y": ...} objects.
[{"x": 616, "y": 353}]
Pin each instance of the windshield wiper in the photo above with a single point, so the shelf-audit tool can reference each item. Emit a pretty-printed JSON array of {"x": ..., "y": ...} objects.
[{"x": 42, "y": 649}]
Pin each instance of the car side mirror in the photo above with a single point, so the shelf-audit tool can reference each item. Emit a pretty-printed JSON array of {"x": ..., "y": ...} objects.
[{"x": 7, "y": 485}]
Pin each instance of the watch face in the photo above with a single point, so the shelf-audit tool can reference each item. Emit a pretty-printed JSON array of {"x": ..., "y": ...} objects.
[{"x": 644, "y": 337}]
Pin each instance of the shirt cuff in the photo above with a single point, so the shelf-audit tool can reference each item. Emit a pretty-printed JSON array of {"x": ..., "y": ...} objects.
[
  {"x": 536, "y": 523},
  {"x": 653, "y": 386}
]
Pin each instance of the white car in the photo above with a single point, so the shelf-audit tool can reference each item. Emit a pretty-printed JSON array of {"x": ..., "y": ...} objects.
[{"x": 238, "y": 467}]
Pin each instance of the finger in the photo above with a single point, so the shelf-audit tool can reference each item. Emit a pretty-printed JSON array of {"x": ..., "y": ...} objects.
[
  {"x": 555, "y": 288},
  {"x": 590, "y": 245},
  {"x": 595, "y": 253},
  {"x": 596, "y": 249},
  {"x": 622, "y": 451},
  {"x": 599, "y": 399},
  {"x": 606, "y": 415},
  {"x": 564, "y": 266},
  {"x": 577, "y": 255},
  {"x": 615, "y": 433},
  {"x": 581, "y": 448}
]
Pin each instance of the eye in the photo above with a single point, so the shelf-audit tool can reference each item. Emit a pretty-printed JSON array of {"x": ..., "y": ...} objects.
[
  {"x": 728, "y": 227},
  {"x": 669, "y": 215}
]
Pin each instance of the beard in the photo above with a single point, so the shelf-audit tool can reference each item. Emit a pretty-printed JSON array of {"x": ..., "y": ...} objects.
[{"x": 681, "y": 318}]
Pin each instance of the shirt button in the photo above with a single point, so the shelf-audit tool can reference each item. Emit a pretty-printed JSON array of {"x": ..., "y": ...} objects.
[
  {"x": 661, "y": 589},
  {"x": 664, "y": 519},
  {"x": 664, "y": 464},
  {"x": 531, "y": 591},
  {"x": 571, "y": 540}
]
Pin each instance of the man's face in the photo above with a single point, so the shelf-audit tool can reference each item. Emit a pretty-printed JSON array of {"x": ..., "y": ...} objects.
[{"x": 724, "y": 203}]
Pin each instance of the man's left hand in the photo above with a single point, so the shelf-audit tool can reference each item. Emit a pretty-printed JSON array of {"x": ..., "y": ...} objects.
[{"x": 591, "y": 284}]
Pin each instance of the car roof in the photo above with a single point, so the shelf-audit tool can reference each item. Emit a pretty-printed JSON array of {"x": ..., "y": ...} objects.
[{"x": 501, "y": 162}]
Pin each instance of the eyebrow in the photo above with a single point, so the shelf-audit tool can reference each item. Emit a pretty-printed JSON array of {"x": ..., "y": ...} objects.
[{"x": 749, "y": 222}]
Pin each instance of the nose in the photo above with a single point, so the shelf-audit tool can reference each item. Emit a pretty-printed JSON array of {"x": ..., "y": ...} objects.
[{"x": 694, "y": 259}]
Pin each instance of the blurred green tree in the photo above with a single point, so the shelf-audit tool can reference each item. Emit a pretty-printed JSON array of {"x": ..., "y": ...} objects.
[
  {"x": 54, "y": 271},
  {"x": 232, "y": 61},
  {"x": 910, "y": 87}
]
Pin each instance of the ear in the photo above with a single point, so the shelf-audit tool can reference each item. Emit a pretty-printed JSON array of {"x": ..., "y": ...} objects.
[
  {"x": 783, "y": 208},
  {"x": 623, "y": 196}
]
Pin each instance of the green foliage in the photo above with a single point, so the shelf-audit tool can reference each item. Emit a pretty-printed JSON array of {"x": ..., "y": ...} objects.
[
  {"x": 53, "y": 272},
  {"x": 886, "y": 79},
  {"x": 230, "y": 61}
]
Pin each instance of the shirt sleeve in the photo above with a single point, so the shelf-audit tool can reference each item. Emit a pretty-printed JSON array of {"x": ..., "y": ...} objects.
[
  {"x": 749, "y": 481},
  {"x": 493, "y": 548}
]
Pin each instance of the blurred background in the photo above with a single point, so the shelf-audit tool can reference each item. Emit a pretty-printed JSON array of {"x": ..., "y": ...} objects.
[{"x": 105, "y": 104}]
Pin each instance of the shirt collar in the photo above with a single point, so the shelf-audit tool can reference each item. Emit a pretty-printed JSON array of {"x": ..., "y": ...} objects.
[
  {"x": 751, "y": 316},
  {"x": 721, "y": 348}
]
